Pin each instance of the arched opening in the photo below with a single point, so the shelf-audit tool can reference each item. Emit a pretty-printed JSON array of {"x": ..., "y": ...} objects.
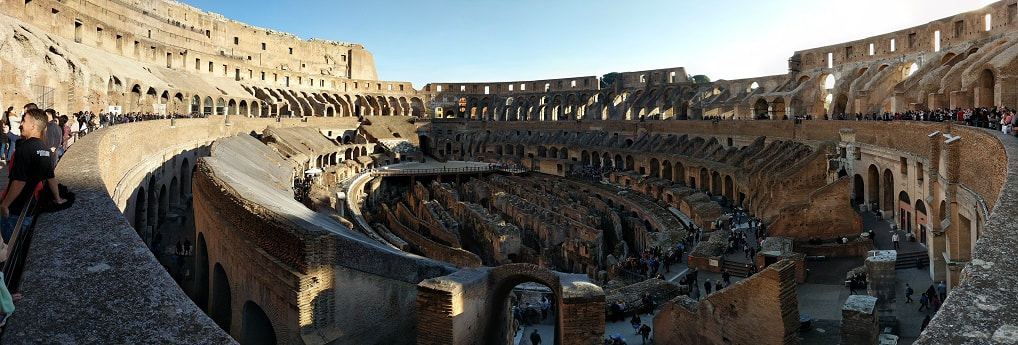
[
  {"x": 256, "y": 329},
  {"x": 208, "y": 106},
  {"x": 920, "y": 221},
  {"x": 909, "y": 70},
  {"x": 840, "y": 103},
  {"x": 201, "y": 275},
  {"x": 533, "y": 303},
  {"x": 195, "y": 105},
  {"x": 715, "y": 183},
  {"x": 185, "y": 179},
  {"x": 655, "y": 168},
  {"x": 904, "y": 211},
  {"x": 873, "y": 181},
  {"x": 778, "y": 108},
  {"x": 619, "y": 162},
  {"x": 704, "y": 180},
  {"x": 630, "y": 163},
  {"x": 679, "y": 174},
  {"x": 760, "y": 109},
  {"x": 221, "y": 311},
  {"x": 858, "y": 190},
  {"x": 174, "y": 196},
  {"x": 666, "y": 170},
  {"x": 221, "y": 107},
  {"x": 829, "y": 82},
  {"x": 888, "y": 186},
  {"x": 139, "y": 212},
  {"x": 164, "y": 205},
  {"x": 729, "y": 187},
  {"x": 985, "y": 90}
]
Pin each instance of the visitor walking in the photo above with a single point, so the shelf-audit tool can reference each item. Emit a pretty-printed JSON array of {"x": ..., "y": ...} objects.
[
  {"x": 535, "y": 338},
  {"x": 894, "y": 238}
]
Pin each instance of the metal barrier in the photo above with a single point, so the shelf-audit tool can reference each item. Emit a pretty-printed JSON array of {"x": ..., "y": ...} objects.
[{"x": 18, "y": 246}]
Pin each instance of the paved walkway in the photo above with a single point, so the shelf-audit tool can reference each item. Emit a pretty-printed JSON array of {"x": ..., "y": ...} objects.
[{"x": 824, "y": 293}]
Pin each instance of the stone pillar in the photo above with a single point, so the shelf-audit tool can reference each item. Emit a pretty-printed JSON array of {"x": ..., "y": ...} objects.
[
  {"x": 582, "y": 309},
  {"x": 880, "y": 273},
  {"x": 859, "y": 322}
]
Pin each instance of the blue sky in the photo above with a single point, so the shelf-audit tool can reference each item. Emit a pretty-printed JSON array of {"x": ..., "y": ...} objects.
[{"x": 483, "y": 40}]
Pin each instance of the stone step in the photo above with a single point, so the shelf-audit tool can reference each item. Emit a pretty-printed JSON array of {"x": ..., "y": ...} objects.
[{"x": 908, "y": 260}]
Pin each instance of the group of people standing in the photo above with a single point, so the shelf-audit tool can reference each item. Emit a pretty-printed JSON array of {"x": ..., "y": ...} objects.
[{"x": 36, "y": 144}]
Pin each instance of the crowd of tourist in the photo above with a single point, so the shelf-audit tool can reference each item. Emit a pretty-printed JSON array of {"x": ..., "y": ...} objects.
[
  {"x": 591, "y": 173},
  {"x": 999, "y": 118}
]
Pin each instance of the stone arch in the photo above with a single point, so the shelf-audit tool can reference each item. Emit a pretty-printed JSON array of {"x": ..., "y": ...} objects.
[
  {"x": 729, "y": 188},
  {"x": 761, "y": 109},
  {"x": 209, "y": 106},
  {"x": 139, "y": 211},
  {"x": 704, "y": 180},
  {"x": 655, "y": 168},
  {"x": 231, "y": 108},
  {"x": 503, "y": 279},
  {"x": 921, "y": 221},
  {"x": 888, "y": 184},
  {"x": 679, "y": 173},
  {"x": 666, "y": 170},
  {"x": 778, "y": 108},
  {"x": 221, "y": 106},
  {"x": 164, "y": 205},
  {"x": 135, "y": 97},
  {"x": 196, "y": 104},
  {"x": 985, "y": 89},
  {"x": 584, "y": 157},
  {"x": 174, "y": 194},
  {"x": 873, "y": 181},
  {"x": 840, "y": 104},
  {"x": 620, "y": 163},
  {"x": 185, "y": 179},
  {"x": 221, "y": 310},
  {"x": 255, "y": 326},
  {"x": 201, "y": 274},
  {"x": 858, "y": 189},
  {"x": 715, "y": 183},
  {"x": 630, "y": 163},
  {"x": 904, "y": 208}
]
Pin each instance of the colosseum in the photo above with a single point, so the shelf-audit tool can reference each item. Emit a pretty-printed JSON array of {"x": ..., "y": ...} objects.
[{"x": 317, "y": 204}]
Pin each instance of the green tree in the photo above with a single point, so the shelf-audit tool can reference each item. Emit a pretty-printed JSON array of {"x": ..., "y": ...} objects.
[
  {"x": 700, "y": 78},
  {"x": 609, "y": 79}
]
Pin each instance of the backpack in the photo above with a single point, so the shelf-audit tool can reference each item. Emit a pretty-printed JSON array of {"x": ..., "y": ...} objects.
[{"x": 908, "y": 291}]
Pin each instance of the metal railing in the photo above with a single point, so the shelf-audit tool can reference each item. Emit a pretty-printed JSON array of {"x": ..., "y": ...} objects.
[
  {"x": 441, "y": 171},
  {"x": 18, "y": 246}
]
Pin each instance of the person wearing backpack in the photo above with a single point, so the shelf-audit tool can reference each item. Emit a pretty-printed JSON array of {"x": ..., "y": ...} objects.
[{"x": 908, "y": 293}]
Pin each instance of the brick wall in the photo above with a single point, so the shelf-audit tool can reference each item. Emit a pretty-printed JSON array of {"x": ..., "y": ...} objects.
[{"x": 765, "y": 303}]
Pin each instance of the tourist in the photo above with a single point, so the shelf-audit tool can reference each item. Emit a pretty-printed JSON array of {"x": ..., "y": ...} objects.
[
  {"x": 30, "y": 167},
  {"x": 645, "y": 332},
  {"x": 942, "y": 290},
  {"x": 894, "y": 238},
  {"x": 727, "y": 277},
  {"x": 636, "y": 322},
  {"x": 924, "y": 302},
  {"x": 545, "y": 306},
  {"x": 908, "y": 293},
  {"x": 717, "y": 285},
  {"x": 535, "y": 338},
  {"x": 54, "y": 135},
  {"x": 707, "y": 286}
]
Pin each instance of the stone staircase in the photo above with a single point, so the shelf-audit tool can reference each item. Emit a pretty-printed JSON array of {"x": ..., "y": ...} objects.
[
  {"x": 736, "y": 268},
  {"x": 907, "y": 260}
]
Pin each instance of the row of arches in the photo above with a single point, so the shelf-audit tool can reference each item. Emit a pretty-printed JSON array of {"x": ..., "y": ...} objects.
[
  {"x": 255, "y": 326},
  {"x": 292, "y": 103}
]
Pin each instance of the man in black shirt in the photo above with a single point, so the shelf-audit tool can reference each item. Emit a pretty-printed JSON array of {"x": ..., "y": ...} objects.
[{"x": 30, "y": 171}]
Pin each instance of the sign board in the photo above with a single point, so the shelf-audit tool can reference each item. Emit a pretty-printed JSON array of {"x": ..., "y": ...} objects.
[
  {"x": 159, "y": 109},
  {"x": 713, "y": 262},
  {"x": 116, "y": 109}
]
